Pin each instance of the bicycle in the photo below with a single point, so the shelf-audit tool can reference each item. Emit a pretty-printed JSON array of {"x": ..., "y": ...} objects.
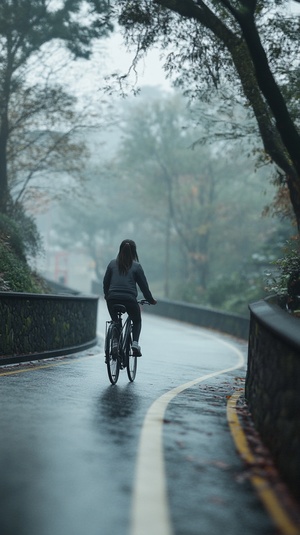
[{"x": 118, "y": 341}]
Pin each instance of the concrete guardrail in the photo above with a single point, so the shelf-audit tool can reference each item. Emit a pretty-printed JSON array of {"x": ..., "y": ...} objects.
[
  {"x": 273, "y": 386},
  {"x": 203, "y": 316}
]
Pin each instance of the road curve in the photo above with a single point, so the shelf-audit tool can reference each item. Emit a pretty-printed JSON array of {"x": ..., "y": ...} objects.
[
  {"x": 150, "y": 511},
  {"x": 78, "y": 455}
]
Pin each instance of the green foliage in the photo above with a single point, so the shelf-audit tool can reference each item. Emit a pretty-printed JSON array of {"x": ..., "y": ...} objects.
[
  {"x": 285, "y": 282},
  {"x": 19, "y": 237},
  {"x": 20, "y": 232},
  {"x": 10, "y": 234},
  {"x": 35, "y": 22},
  {"x": 28, "y": 230},
  {"x": 233, "y": 292},
  {"x": 15, "y": 274}
]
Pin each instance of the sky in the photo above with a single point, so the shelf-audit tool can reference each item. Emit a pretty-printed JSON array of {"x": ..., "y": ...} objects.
[
  {"x": 89, "y": 78},
  {"x": 295, "y": 6},
  {"x": 111, "y": 56},
  {"x": 150, "y": 71}
]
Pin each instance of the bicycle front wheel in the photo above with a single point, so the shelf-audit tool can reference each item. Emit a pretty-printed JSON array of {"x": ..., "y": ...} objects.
[
  {"x": 131, "y": 361},
  {"x": 111, "y": 353}
]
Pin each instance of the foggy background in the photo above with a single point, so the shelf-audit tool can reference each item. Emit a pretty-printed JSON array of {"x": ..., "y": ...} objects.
[{"x": 152, "y": 168}]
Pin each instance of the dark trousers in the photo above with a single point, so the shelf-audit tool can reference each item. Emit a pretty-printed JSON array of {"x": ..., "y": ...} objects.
[{"x": 133, "y": 311}]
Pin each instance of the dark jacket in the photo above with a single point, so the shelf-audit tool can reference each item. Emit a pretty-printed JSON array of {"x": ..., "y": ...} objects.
[{"x": 117, "y": 286}]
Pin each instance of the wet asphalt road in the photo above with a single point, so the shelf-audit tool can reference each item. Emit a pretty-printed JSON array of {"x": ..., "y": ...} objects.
[{"x": 70, "y": 440}]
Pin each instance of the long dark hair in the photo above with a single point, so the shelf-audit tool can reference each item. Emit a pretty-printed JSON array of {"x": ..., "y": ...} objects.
[{"x": 127, "y": 254}]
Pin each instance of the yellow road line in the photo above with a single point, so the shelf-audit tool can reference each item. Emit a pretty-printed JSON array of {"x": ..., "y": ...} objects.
[
  {"x": 43, "y": 366},
  {"x": 262, "y": 486},
  {"x": 150, "y": 509}
]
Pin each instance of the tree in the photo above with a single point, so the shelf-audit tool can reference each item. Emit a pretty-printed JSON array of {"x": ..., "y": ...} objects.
[
  {"x": 43, "y": 144},
  {"x": 198, "y": 201},
  {"x": 156, "y": 153},
  {"x": 225, "y": 40},
  {"x": 25, "y": 27},
  {"x": 193, "y": 212},
  {"x": 103, "y": 211}
]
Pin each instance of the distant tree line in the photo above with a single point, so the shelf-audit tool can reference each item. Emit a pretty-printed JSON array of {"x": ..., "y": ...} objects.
[{"x": 195, "y": 211}]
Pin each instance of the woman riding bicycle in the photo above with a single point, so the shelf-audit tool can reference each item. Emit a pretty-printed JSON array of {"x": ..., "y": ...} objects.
[{"x": 120, "y": 287}]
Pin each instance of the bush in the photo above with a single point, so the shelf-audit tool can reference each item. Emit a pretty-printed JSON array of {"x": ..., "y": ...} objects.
[
  {"x": 285, "y": 282},
  {"x": 233, "y": 293},
  {"x": 19, "y": 237},
  {"x": 11, "y": 236},
  {"x": 15, "y": 274},
  {"x": 25, "y": 230}
]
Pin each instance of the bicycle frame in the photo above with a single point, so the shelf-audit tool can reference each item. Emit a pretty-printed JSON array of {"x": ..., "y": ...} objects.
[
  {"x": 124, "y": 337},
  {"x": 118, "y": 340}
]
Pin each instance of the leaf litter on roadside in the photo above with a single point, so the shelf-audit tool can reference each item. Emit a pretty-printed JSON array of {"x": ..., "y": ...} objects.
[{"x": 263, "y": 464}]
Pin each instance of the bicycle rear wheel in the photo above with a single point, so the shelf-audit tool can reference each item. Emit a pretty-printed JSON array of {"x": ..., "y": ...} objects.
[
  {"x": 111, "y": 353},
  {"x": 131, "y": 360}
]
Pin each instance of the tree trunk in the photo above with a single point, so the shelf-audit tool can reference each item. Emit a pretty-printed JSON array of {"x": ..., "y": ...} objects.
[
  {"x": 271, "y": 91},
  {"x": 282, "y": 143},
  {"x": 4, "y": 193},
  {"x": 167, "y": 257},
  {"x": 269, "y": 88},
  {"x": 4, "y": 131}
]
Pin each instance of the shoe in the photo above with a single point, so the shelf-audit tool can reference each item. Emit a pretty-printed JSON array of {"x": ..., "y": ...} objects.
[{"x": 136, "y": 349}]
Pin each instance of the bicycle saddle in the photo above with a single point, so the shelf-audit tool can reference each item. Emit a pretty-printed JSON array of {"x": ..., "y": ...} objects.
[{"x": 120, "y": 308}]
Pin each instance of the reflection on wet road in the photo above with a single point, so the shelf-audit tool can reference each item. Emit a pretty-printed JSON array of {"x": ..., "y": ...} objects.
[{"x": 70, "y": 440}]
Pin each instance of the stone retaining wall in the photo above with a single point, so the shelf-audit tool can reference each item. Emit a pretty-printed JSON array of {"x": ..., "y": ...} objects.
[
  {"x": 203, "y": 316},
  {"x": 34, "y": 326},
  {"x": 273, "y": 386}
]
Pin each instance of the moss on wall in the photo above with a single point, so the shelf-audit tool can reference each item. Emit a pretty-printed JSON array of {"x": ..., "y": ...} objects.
[{"x": 31, "y": 323}]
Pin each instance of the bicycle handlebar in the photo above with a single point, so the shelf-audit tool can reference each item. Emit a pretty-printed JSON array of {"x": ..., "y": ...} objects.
[{"x": 143, "y": 302}]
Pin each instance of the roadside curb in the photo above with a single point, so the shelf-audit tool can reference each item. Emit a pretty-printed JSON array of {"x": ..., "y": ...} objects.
[{"x": 275, "y": 496}]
